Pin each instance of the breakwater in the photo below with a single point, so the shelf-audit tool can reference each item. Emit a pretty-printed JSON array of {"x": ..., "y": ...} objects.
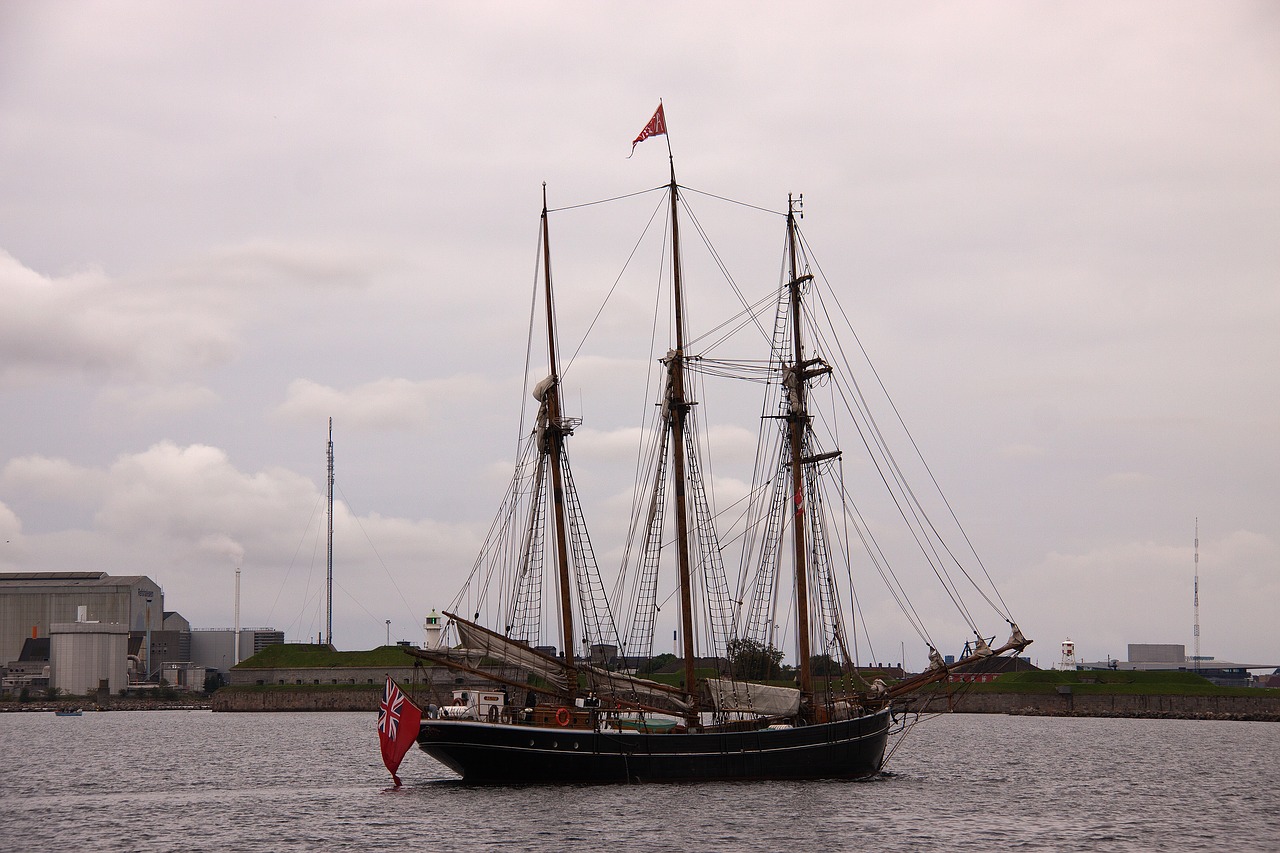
[
  {"x": 297, "y": 700},
  {"x": 1265, "y": 706},
  {"x": 187, "y": 703}
]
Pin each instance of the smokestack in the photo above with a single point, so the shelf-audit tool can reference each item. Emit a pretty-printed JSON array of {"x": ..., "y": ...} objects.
[{"x": 235, "y": 641}]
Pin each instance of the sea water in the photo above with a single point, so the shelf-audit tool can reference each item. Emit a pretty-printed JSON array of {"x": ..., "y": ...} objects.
[{"x": 195, "y": 780}]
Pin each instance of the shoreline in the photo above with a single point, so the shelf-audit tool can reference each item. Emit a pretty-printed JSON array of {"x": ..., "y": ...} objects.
[
  {"x": 1264, "y": 707},
  {"x": 1260, "y": 708},
  {"x": 93, "y": 706}
]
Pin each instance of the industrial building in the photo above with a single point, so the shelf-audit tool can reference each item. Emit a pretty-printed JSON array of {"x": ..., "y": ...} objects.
[
  {"x": 31, "y": 603},
  {"x": 216, "y": 648},
  {"x": 85, "y": 632},
  {"x": 1172, "y": 657}
]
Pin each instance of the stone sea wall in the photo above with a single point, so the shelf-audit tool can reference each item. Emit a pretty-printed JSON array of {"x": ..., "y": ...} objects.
[
  {"x": 297, "y": 700},
  {"x": 1264, "y": 706}
]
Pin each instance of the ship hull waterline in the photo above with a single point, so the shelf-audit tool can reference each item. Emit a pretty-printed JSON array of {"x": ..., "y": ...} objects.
[{"x": 490, "y": 753}]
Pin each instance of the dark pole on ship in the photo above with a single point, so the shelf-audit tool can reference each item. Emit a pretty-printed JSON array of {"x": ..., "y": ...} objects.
[
  {"x": 797, "y": 423},
  {"x": 554, "y": 448},
  {"x": 679, "y": 409}
]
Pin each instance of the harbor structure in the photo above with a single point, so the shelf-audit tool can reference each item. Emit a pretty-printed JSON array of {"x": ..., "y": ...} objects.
[
  {"x": 88, "y": 656},
  {"x": 1172, "y": 657},
  {"x": 79, "y": 632},
  {"x": 216, "y": 648},
  {"x": 31, "y": 603}
]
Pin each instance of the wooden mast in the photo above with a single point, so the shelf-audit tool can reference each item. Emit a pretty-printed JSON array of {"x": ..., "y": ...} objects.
[
  {"x": 678, "y": 409},
  {"x": 797, "y": 423},
  {"x": 553, "y": 448}
]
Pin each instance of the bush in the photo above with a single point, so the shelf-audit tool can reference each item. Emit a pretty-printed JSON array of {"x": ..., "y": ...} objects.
[{"x": 752, "y": 659}]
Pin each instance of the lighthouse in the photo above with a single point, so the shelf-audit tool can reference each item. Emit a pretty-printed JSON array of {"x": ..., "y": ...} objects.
[{"x": 434, "y": 629}]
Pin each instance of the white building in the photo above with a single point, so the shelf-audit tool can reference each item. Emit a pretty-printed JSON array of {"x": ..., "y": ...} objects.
[{"x": 84, "y": 656}]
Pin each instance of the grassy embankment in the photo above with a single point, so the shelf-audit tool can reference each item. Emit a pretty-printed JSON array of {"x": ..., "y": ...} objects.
[
  {"x": 303, "y": 655},
  {"x": 297, "y": 655},
  {"x": 1115, "y": 682}
]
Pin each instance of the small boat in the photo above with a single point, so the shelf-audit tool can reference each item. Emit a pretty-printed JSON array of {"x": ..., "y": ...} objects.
[
  {"x": 730, "y": 711},
  {"x": 68, "y": 712}
]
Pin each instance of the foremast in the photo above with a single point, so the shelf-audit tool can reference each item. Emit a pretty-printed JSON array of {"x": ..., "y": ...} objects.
[{"x": 552, "y": 438}]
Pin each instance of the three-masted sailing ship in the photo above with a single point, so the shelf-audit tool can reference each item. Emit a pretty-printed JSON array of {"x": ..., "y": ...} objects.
[{"x": 591, "y": 711}]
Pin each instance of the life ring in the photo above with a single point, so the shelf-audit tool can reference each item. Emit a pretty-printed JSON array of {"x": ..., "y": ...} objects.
[{"x": 562, "y": 716}]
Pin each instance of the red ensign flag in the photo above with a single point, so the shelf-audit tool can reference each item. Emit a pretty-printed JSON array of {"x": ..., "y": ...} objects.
[
  {"x": 657, "y": 126},
  {"x": 398, "y": 723}
]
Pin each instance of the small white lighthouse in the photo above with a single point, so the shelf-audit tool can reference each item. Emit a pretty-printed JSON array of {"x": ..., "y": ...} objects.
[
  {"x": 1068, "y": 661},
  {"x": 434, "y": 628}
]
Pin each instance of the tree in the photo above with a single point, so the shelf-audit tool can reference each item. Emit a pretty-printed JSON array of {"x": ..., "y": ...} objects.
[
  {"x": 753, "y": 659},
  {"x": 824, "y": 665},
  {"x": 654, "y": 664}
]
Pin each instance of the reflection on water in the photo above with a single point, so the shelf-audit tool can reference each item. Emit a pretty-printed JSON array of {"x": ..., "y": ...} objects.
[{"x": 195, "y": 780}]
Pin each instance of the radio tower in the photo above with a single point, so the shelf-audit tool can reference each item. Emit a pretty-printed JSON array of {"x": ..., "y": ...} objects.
[
  {"x": 1195, "y": 631},
  {"x": 328, "y": 625}
]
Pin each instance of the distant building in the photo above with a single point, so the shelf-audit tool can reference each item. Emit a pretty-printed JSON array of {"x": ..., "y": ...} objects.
[
  {"x": 106, "y": 631},
  {"x": 31, "y": 603},
  {"x": 215, "y": 647},
  {"x": 184, "y": 676},
  {"x": 88, "y": 656},
  {"x": 30, "y": 670},
  {"x": 1172, "y": 657}
]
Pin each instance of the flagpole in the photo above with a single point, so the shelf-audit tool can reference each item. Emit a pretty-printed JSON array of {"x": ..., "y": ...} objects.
[{"x": 670, "y": 157}]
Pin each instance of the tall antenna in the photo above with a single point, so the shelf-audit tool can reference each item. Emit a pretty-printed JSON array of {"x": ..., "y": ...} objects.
[
  {"x": 1195, "y": 631},
  {"x": 328, "y": 625}
]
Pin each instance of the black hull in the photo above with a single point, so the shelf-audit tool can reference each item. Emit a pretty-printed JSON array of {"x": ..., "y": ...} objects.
[{"x": 489, "y": 752}]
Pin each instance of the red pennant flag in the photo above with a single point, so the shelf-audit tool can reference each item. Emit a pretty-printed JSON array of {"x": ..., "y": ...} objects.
[
  {"x": 657, "y": 126},
  {"x": 398, "y": 723}
]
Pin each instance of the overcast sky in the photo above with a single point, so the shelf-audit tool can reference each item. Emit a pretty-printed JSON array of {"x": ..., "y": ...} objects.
[{"x": 1056, "y": 225}]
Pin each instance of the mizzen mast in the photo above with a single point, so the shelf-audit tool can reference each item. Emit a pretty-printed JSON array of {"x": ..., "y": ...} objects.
[{"x": 677, "y": 413}]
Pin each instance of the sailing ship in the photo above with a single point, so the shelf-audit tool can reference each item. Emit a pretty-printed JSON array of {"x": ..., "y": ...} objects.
[{"x": 591, "y": 711}]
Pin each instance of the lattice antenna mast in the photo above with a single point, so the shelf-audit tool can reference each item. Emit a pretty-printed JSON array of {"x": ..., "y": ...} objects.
[
  {"x": 328, "y": 622},
  {"x": 1195, "y": 630}
]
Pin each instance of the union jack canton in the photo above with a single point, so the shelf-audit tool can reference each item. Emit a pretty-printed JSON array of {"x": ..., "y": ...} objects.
[{"x": 389, "y": 712}]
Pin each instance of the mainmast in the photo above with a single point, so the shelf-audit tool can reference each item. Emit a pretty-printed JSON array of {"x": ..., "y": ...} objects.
[
  {"x": 553, "y": 438},
  {"x": 797, "y": 421},
  {"x": 678, "y": 410}
]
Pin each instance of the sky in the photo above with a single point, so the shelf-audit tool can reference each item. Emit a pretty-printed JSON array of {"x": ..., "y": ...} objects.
[{"x": 1056, "y": 226}]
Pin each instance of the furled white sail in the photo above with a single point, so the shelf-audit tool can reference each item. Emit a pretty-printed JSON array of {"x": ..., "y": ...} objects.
[
  {"x": 479, "y": 639},
  {"x": 728, "y": 695},
  {"x": 649, "y": 692}
]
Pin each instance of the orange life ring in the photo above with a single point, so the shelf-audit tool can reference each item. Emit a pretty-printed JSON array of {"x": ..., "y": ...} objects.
[{"x": 562, "y": 716}]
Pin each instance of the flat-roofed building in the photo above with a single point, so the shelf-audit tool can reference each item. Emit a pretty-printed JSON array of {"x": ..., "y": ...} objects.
[
  {"x": 215, "y": 647},
  {"x": 31, "y": 603},
  {"x": 1172, "y": 657},
  {"x": 84, "y": 656}
]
